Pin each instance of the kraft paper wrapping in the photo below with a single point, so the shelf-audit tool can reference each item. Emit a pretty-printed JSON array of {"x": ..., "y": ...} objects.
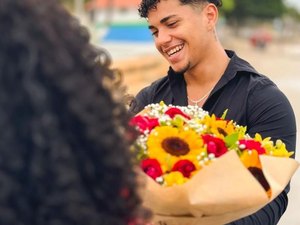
[{"x": 219, "y": 193}]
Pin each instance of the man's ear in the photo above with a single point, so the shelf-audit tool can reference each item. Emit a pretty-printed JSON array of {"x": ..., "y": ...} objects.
[{"x": 212, "y": 13}]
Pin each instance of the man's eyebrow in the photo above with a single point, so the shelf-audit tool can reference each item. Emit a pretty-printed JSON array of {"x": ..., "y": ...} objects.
[
  {"x": 166, "y": 18},
  {"x": 163, "y": 20}
]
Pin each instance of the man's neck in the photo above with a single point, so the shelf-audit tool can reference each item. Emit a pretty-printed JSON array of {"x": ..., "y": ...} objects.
[{"x": 209, "y": 70}]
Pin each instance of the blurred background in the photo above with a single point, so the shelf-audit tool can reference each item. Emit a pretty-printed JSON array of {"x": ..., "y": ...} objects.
[{"x": 265, "y": 33}]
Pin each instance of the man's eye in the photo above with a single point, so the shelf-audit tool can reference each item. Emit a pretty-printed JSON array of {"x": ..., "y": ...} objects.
[
  {"x": 154, "y": 33},
  {"x": 172, "y": 24}
]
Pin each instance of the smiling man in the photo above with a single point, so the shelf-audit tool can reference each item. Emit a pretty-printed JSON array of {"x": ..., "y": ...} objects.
[
  {"x": 185, "y": 35},
  {"x": 203, "y": 73}
]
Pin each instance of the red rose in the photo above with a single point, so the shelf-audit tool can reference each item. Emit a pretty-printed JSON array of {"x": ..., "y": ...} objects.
[
  {"x": 144, "y": 122},
  {"x": 214, "y": 145},
  {"x": 172, "y": 112},
  {"x": 252, "y": 145},
  {"x": 186, "y": 167},
  {"x": 151, "y": 167}
]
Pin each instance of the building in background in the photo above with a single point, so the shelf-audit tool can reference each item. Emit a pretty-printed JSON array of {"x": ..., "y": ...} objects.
[{"x": 118, "y": 20}]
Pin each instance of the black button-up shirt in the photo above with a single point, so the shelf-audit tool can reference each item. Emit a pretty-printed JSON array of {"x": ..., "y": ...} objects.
[{"x": 252, "y": 100}]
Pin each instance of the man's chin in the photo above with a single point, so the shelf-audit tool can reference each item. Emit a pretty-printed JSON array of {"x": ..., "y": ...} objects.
[{"x": 180, "y": 70}]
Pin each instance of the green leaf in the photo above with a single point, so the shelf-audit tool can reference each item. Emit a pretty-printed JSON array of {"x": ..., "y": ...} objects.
[
  {"x": 178, "y": 121},
  {"x": 231, "y": 140},
  {"x": 224, "y": 114}
]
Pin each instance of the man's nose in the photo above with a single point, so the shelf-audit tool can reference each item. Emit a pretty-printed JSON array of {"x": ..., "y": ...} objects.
[{"x": 163, "y": 38}]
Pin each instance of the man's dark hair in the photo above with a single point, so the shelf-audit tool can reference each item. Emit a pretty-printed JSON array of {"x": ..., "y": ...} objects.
[
  {"x": 147, "y": 5},
  {"x": 64, "y": 146}
]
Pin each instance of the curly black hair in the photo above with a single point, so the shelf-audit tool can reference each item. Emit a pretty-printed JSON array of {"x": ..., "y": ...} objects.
[
  {"x": 64, "y": 146},
  {"x": 147, "y": 5}
]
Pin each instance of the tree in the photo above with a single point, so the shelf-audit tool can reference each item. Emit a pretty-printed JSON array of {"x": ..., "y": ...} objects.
[
  {"x": 227, "y": 6},
  {"x": 258, "y": 9},
  {"x": 293, "y": 13}
]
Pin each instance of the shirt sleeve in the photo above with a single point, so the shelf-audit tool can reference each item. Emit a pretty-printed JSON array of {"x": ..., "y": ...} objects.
[
  {"x": 268, "y": 215},
  {"x": 271, "y": 115},
  {"x": 140, "y": 101}
]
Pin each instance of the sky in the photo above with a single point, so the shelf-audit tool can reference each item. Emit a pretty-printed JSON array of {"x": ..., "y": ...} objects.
[{"x": 295, "y": 3}]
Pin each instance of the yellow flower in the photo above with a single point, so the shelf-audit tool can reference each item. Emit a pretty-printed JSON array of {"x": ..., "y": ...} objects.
[
  {"x": 279, "y": 149},
  {"x": 266, "y": 143},
  {"x": 219, "y": 127},
  {"x": 174, "y": 178},
  {"x": 170, "y": 144}
]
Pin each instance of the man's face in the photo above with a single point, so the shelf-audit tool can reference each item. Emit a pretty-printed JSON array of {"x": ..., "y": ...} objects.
[{"x": 180, "y": 33}]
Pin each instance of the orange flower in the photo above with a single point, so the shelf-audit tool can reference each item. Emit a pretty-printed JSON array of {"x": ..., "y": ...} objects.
[{"x": 252, "y": 162}]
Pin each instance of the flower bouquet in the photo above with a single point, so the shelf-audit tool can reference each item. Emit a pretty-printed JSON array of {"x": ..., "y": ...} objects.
[{"x": 200, "y": 169}]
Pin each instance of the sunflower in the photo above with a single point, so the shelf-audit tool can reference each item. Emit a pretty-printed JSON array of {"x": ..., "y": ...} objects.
[
  {"x": 170, "y": 144},
  {"x": 219, "y": 127}
]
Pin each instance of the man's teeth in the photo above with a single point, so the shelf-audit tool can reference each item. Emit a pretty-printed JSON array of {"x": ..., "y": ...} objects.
[{"x": 174, "y": 50}]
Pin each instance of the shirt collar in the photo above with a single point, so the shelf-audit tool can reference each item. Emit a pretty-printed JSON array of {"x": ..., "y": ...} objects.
[{"x": 235, "y": 66}]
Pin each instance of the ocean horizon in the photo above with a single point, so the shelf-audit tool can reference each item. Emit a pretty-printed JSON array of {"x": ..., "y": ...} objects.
[{"x": 127, "y": 32}]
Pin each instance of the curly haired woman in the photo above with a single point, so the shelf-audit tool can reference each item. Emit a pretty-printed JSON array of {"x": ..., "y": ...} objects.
[{"x": 63, "y": 156}]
